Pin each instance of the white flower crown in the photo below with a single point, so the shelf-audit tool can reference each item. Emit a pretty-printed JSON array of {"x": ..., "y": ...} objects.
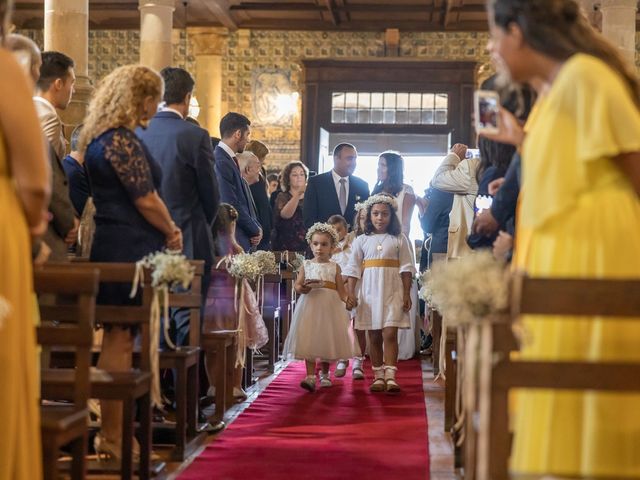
[
  {"x": 380, "y": 198},
  {"x": 359, "y": 206},
  {"x": 323, "y": 228}
]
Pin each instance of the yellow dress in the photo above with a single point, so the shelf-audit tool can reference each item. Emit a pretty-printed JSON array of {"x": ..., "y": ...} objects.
[
  {"x": 579, "y": 216},
  {"x": 20, "y": 451}
]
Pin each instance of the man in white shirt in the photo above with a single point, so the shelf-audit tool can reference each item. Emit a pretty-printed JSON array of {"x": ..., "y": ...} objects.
[{"x": 54, "y": 90}]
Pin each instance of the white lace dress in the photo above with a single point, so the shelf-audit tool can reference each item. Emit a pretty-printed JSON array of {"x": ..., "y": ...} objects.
[
  {"x": 408, "y": 339},
  {"x": 320, "y": 326}
]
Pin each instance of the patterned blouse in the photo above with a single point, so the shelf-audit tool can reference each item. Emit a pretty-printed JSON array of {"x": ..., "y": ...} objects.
[{"x": 288, "y": 234}]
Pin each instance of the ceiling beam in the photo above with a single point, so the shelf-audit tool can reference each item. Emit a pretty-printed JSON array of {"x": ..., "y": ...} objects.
[
  {"x": 101, "y": 7},
  {"x": 335, "y": 16},
  {"x": 341, "y": 5},
  {"x": 451, "y": 14},
  {"x": 221, "y": 10}
]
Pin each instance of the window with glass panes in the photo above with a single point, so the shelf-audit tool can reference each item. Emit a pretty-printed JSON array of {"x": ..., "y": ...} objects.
[{"x": 391, "y": 108}]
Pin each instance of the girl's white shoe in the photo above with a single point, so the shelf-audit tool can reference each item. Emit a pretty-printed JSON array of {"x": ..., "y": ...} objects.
[
  {"x": 309, "y": 383},
  {"x": 325, "y": 381}
]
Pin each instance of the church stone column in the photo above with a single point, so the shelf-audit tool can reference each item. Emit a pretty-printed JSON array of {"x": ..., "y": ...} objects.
[
  {"x": 208, "y": 47},
  {"x": 619, "y": 25},
  {"x": 66, "y": 30},
  {"x": 156, "y": 24}
]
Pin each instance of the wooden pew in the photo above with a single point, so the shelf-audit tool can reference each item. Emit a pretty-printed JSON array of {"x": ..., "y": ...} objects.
[
  {"x": 219, "y": 337},
  {"x": 287, "y": 292},
  {"x": 436, "y": 335},
  {"x": 131, "y": 388},
  {"x": 271, "y": 317},
  {"x": 185, "y": 362},
  {"x": 70, "y": 326},
  {"x": 534, "y": 296}
]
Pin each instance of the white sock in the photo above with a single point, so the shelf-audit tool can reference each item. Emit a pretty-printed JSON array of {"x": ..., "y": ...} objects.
[{"x": 390, "y": 372}]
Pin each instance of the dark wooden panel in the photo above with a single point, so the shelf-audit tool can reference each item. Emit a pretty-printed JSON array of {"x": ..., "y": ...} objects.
[{"x": 323, "y": 77}]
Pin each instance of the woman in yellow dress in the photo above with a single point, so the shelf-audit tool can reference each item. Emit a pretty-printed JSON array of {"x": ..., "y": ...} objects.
[
  {"x": 24, "y": 194},
  {"x": 579, "y": 216}
]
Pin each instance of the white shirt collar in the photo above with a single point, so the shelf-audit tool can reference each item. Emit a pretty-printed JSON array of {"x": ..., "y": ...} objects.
[
  {"x": 167, "y": 109},
  {"x": 336, "y": 177},
  {"x": 45, "y": 102},
  {"x": 227, "y": 149}
]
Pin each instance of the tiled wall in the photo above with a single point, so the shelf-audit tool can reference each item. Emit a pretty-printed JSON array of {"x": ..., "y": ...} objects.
[{"x": 282, "y": 50}]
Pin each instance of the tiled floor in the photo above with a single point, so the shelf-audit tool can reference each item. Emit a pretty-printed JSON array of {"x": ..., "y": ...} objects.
[{"x": 440, "y": 446}]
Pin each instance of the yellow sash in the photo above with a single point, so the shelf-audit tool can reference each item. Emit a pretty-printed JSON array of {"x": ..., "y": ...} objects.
[{"x": 381, "y": 262}]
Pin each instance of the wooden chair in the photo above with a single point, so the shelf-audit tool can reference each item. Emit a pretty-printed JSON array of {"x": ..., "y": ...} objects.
[
  {"x": 222, "y": 342},
  {"x": 558, "y": 297},
  {"x": 70, "y": 326},
  {"x": 287, "y": 293},
  {"x": 436, "y": 335},
  {"x": 131, "y": 388},
  {"x": 184, "y": 361},
  {"x": 270, "y": 299}
]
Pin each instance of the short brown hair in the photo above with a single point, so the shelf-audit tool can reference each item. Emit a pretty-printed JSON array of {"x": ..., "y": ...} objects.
[
  {"x": 284, "y": 176},
  {"x": 258, "y": 148},
  {"x": 338, "y": 219}
]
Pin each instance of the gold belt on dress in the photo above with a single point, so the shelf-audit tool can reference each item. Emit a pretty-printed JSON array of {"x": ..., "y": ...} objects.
[
  {"x": 330, "y": 285},
  {"x": 381, "y": 262}
]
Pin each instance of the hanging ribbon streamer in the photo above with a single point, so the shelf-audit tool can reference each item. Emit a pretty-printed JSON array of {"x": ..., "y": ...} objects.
[{"x": 154, "y": 334}]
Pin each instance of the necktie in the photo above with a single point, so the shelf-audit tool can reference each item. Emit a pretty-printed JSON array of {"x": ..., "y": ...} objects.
[{"x": 342, "y": 197}]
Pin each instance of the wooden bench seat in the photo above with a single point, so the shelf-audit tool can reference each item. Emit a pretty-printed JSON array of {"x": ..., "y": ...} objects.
[
  {"x": 70, "y": 327},
  {"x": 500, "y": 373},
  {"x": 132, "y": 388}
]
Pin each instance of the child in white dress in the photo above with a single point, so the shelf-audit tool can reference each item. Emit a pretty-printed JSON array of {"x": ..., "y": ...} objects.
[
  {"x": 342, "y": 257},
  {"x": 381, "y": 259},
  {"x": 320, "y": 326}
]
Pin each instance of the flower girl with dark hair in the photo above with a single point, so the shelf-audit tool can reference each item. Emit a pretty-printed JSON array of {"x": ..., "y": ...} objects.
[
  {"x": 381, "y": 259},
  {"x": 320, "y": 327}
]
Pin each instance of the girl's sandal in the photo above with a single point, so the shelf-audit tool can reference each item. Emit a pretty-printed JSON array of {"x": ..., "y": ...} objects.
[
  {"x": 378, "y": 385},
  {"x": 392, "y": 386}
]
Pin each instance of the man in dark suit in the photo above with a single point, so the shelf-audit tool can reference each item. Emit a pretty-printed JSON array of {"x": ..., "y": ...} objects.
[
  {"x": 235, "y": 131},
  {"x": 189, "y": 186},
  {"x": 335, "y": 192}
]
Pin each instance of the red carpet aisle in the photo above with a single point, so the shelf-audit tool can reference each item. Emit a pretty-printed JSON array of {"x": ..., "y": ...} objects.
[{"x": 343, "y": 432}]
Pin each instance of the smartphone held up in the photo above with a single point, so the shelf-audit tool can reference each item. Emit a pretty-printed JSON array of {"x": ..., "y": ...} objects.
[{"x": 486, "y": 111}]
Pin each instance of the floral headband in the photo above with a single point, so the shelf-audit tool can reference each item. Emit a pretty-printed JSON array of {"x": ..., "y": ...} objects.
[
  {"x": 322, "y": 228},
  {"x": 380, "y": 198},
  {"x": 359, "y": 206}
]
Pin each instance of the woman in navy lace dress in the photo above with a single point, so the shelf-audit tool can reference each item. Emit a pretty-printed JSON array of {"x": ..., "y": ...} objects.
[{"x": 131, "y": 218}]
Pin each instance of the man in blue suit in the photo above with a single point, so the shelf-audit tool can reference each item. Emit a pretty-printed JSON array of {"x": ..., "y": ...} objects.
[
  {"x": 234, "y": 190},
  {"x": 189, "y": 186},
  {"x": 335, "y": 192}
]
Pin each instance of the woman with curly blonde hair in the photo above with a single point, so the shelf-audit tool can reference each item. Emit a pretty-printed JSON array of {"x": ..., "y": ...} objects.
[{"x": 131, "y": 219}]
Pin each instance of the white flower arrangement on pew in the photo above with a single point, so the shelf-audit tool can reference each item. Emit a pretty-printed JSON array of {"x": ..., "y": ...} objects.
[
  {"x": 296, "y": 262},
  {"x": 244, "y": 266},
  {"x": 5, "y": 310},
  {"x": 169, "y": 269},
  {"x": 467, "y": 290},
  {"x": 267, "y": 262}
]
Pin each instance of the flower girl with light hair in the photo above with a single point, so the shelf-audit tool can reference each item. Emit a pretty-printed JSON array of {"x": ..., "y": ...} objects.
[
  {"x": 381, "y": 259},
  {"x": 320, "y": 326}
]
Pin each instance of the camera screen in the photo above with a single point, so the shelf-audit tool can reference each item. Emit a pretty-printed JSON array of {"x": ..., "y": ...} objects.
[{"x": 488, "y": 108}]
